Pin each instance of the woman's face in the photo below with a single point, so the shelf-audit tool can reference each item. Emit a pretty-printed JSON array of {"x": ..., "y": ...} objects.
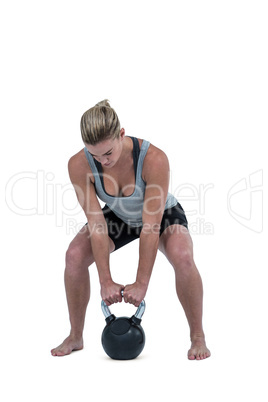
[{"x": 107, "y": 152}]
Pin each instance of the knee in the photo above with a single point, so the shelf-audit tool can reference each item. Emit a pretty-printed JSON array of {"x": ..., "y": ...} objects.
[
  {"x": 76, "y": 259},
  {"x": 182, "y": 261}
]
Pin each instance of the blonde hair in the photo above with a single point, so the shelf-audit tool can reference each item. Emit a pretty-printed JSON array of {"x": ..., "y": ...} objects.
[{"x": 99, "y": 123}]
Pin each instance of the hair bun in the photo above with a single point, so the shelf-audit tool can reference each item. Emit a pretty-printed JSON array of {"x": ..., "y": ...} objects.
[
  {"x": 99, "y": 123},
  {"x": 105, "y": 103}
]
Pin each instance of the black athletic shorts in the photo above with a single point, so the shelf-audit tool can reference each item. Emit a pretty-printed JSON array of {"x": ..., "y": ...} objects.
[{"x": 122, "y": 234}]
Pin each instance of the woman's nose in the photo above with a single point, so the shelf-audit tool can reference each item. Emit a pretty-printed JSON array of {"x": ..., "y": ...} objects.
[{"x": 103, "y": 160}]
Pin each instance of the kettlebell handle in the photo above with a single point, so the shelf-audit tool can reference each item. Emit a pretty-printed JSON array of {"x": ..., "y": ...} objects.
[{"x": 139, "y": 313}]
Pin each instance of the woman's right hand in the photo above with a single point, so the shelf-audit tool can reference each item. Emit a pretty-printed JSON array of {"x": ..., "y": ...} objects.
[{"x": 111, "y": 292}]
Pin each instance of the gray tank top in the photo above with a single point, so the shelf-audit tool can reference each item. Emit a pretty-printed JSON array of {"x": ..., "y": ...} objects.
[{"x": 128, "y": 209}]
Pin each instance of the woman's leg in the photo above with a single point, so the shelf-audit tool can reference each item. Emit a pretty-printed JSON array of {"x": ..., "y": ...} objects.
[
  {"x": 176, "y": 244},
  {"x": 77, "y": 285}
]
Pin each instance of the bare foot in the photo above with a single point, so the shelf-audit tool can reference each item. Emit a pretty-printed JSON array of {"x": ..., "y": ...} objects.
[
  {"x": 67, "y": 346},
  {"x": 198, "y": 350}
]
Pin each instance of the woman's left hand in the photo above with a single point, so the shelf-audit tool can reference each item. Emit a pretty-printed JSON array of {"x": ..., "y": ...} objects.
[{"x": 135, "y": 293}]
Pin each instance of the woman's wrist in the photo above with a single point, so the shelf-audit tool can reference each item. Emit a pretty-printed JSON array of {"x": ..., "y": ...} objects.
[
  {"x": 105, "y": 280},
  {"x": 142, "y": 282}
]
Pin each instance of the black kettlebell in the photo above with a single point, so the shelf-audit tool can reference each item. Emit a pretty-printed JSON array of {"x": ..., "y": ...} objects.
[{"x": 123, "y": 338}]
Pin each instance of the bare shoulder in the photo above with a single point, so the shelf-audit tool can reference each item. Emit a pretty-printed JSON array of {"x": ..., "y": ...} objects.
[
  {"x": 78, "y": 165},
  {"x": 155, "y": 160},
  {"x": 77, "y": 159}
]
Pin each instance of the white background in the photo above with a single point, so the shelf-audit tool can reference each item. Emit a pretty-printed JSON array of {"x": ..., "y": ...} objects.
[{"x": 190, "y": 77}]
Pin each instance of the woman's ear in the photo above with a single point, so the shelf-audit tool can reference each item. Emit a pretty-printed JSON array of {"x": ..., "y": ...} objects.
[{"x": 122, "y": 134}]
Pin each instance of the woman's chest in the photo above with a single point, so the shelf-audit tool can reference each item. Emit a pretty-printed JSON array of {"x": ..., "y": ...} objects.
[{"x": 119, "y": 183}]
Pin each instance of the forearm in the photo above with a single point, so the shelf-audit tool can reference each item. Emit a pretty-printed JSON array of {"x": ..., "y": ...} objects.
[
  {"x": 101, "y": 253},
  {"x": 147, "y": 253}
]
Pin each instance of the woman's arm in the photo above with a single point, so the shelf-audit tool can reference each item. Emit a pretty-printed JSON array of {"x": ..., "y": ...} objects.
[
  {"x": 156, "y": 176},
  {"x": 82, "y": 180}
]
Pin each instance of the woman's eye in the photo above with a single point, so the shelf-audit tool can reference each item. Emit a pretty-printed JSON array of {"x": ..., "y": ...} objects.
[{"x": 109, "y": 153}]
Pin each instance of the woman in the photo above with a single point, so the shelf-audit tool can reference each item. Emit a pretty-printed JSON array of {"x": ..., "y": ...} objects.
[{"x": 132, "y": 177}]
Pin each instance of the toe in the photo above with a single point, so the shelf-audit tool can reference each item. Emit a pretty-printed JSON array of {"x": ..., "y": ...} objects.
[
  {"x": 59, "y": 353},
  {"x": 191, "y": 355},
  {"x": 56, "y": 352}
]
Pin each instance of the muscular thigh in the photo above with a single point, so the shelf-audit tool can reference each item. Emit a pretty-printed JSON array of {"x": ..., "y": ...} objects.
[
  {"x": 81, "y": 246},
  {"x": 176, "y": 242}
]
